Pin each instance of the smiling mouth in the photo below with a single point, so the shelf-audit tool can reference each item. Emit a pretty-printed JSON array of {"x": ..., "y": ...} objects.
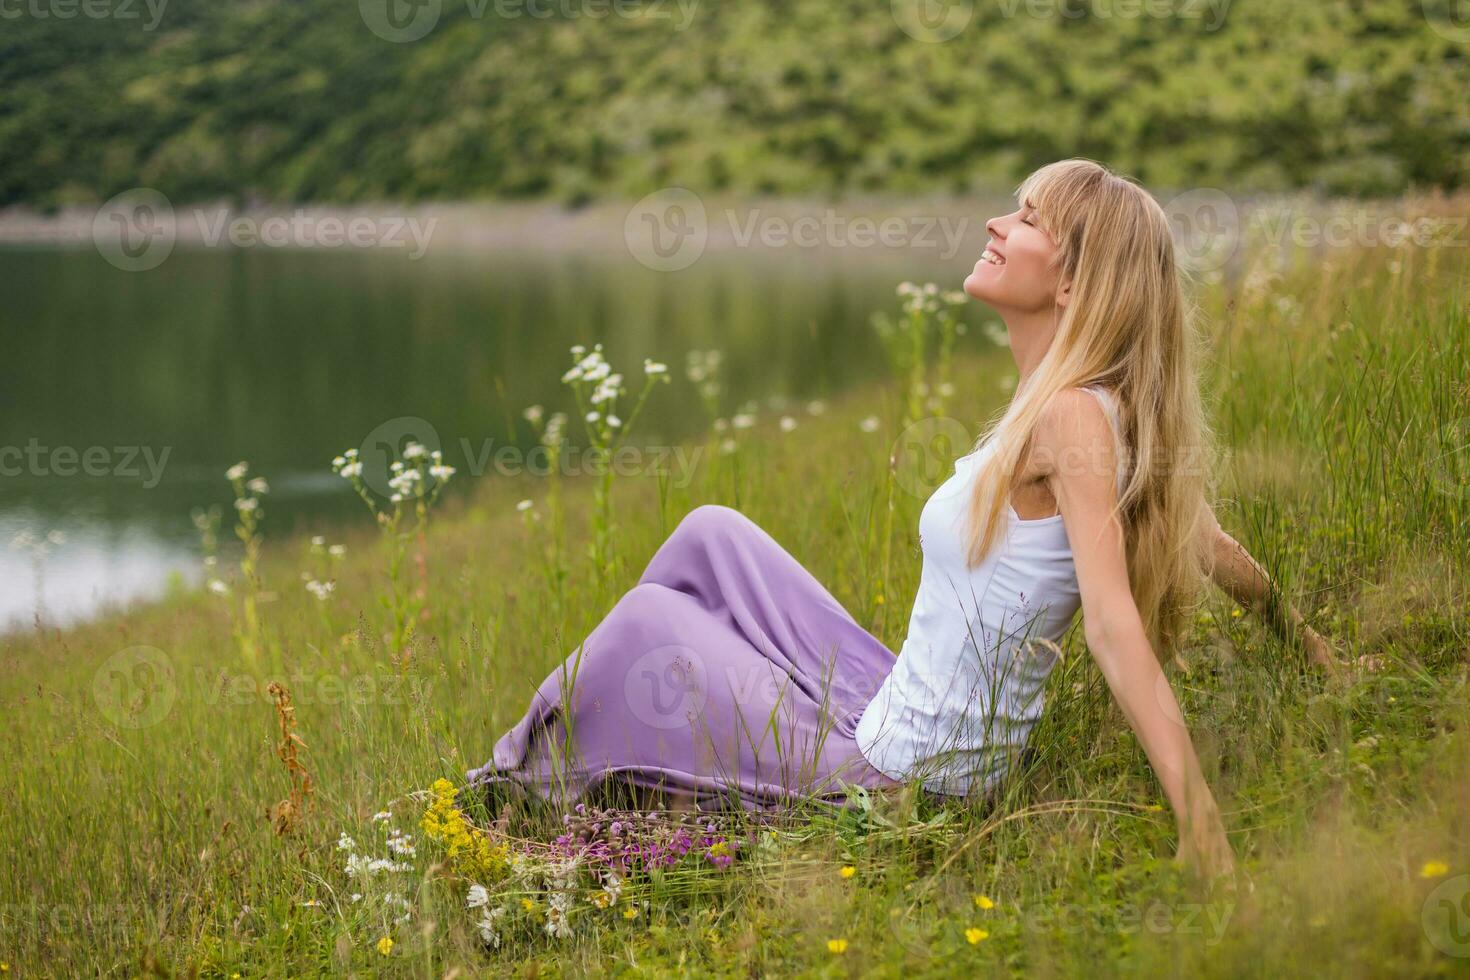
[{"x": 992, "y": 258}]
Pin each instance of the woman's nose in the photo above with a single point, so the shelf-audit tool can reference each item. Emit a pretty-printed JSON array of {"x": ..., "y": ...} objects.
[{"x": 993, "y": 227}]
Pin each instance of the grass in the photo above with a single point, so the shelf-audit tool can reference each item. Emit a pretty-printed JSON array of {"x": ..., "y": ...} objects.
[{"x": 1339, "y": 380}]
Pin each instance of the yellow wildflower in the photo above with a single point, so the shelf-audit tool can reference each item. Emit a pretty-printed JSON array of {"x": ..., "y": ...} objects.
[
  {"x": 528, "y": 905},
  {"x": 973, "y": 935},
  {"x": 837, "y": 946},
  {"x": 385, "y": 945},
  {"x": 848, "y": 871},
  {"x": 981, "y": 902},
  {"x": 1434, "y": 869},
  {"x": 630, "y": 912},
  {"x": 878, "y": 599}
]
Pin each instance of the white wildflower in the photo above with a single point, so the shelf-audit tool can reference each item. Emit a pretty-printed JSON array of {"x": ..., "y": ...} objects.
[
  {"x": 345, "y": 843},
  {"x": 651, "y": 367},
  {"x": 816, "y": 407},
  {"x": 320, "y": 589},
  {"x": 237, "y": 472},
  {"x": 593, "y": 416},
  {"x": 246, "y": 504},
  {"x": 869, "y": 424},
  {"x": 337, "y": 550},
  {"x": 743, "y": 421},
  {"x": 258, "y": 486},
  {"x": 613, "y": 421},
  {"x": 352, "y": 470},
  {"x": 788, "y": 424},
  {"x": 218, "y": 587},
  {"x": 382, "y": 816},
  {"x": 414, "y": 450},
  {"x": 533, "y": 414},
  {"x": 525, "y": 505},
  {"x": 477, "y": 897},
  {"x": 441, "y": 472}
]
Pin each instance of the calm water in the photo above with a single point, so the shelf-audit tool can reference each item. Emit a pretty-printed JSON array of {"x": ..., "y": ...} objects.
[{"x": 158, "y": 381}]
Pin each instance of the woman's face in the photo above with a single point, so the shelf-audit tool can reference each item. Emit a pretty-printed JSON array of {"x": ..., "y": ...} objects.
[{"x": 1015, "y": 271}]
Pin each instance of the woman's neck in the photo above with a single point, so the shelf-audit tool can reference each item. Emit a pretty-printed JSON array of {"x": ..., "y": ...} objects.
[{"x": 1030, "y": 336}]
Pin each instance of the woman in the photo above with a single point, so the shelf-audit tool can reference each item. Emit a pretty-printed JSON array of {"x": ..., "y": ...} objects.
[{"x": 729, "y": 671}]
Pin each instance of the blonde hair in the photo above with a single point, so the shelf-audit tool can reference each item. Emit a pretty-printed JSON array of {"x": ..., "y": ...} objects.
[{"x": 1127, "y": 328}]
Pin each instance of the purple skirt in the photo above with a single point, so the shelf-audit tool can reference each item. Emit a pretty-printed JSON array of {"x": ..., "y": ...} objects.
[{"x": 727, "y": 674}]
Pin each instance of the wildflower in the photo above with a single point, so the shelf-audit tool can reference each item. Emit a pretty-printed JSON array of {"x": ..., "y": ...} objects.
[
  {"x": 848, "y": 871},
  {"x": 630, "y": 913},
  {"x": 337, "y": 550},
  {"x": 385, "y": 946},
  {"x": 525, "y": 505},
  {"x": 527, "y": 905},
  {"x": 720, "y": 854},
  {"x": 338, "y": 462},
  {"x": 533, "y": 414},
  {"x": 982, "y": 902},
  {"x": 593, "y": 416},
  {"x": 837, "y": 946},
  {"x": 727, "y": 446},
  {"x": 1434, "y": 869},
  {"x": 654, "y": 367},
  {"x": 351, "y": 470},
  {"x": 441, "y": 472},
  {"x": 357, "y": 896},
  {"x": 345, "y": 843},
  {"x": 381, "y": 816},
  {"x": 311, "y": 903},
  {"x": 869, "y": 424},
  {"x": 414, "y": 450},
  {"x": 613, "y": 421},
  {"x": 246, "y": 504},
  {"x": 744, "y": 420},
  {"x": 486, "y": 925},
  {"x": 974, "y": 936},
  {"x": 476, "y": 897},
  {"x": 816, "y": 407},
  {"x": 320, "y": 589},
  {"x": 788, "y": 424},
  {"x": 218, "y": 587},
  {"x": 237, "y": 472},
  {"x": 258, "y": 486},
  {"x": 317, "y": 541}
]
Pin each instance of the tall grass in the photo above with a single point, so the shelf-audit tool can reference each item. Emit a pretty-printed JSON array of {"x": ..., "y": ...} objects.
[{"x": 144, "y": 757}]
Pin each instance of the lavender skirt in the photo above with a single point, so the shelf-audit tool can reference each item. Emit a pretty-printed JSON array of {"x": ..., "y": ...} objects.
[{"x": 727, "y": 674}]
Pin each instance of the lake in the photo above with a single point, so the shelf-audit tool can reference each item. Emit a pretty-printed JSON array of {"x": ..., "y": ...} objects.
[{"x": 127, "y": 394}]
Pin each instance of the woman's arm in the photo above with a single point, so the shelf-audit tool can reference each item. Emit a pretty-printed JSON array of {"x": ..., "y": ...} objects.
[
  {"x": 1241, "y": 577},
  {"x": 1076, "y": 452}
]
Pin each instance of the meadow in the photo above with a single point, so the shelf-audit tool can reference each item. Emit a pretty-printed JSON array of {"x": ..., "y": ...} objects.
[{"x": 243, "y": 780}]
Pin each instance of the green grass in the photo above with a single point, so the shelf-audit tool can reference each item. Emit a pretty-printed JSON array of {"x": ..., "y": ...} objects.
[{"x": 149, "y": 850}]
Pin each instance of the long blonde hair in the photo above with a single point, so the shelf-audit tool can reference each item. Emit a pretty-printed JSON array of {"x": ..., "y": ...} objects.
[{"x": 1127, "y": 328}]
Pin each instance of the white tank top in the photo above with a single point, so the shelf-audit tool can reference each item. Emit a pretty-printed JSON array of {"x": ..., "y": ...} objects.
[{"x": 966, "y": 689}]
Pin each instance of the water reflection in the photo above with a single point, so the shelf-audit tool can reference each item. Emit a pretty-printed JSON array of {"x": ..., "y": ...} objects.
[{"x": 286, "y": 358}]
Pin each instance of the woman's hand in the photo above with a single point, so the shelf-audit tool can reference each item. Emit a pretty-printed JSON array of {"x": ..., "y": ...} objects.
[
  {"x": 1319, "y": 651},
  {"x": 1203, "y": 846}
]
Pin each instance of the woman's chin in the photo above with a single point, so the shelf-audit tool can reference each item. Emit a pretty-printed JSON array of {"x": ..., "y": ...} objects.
[{"x": 975, "y": 288}]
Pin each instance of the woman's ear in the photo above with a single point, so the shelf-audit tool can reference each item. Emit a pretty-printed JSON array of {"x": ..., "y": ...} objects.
[{"x": 1064, "y": 294}]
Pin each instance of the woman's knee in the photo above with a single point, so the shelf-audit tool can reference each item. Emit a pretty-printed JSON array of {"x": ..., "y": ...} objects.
[{"x": 709, "y": 522}]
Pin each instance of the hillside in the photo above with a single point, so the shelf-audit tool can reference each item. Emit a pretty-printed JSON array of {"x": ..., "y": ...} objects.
[{"x": 301, "y": 100}]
